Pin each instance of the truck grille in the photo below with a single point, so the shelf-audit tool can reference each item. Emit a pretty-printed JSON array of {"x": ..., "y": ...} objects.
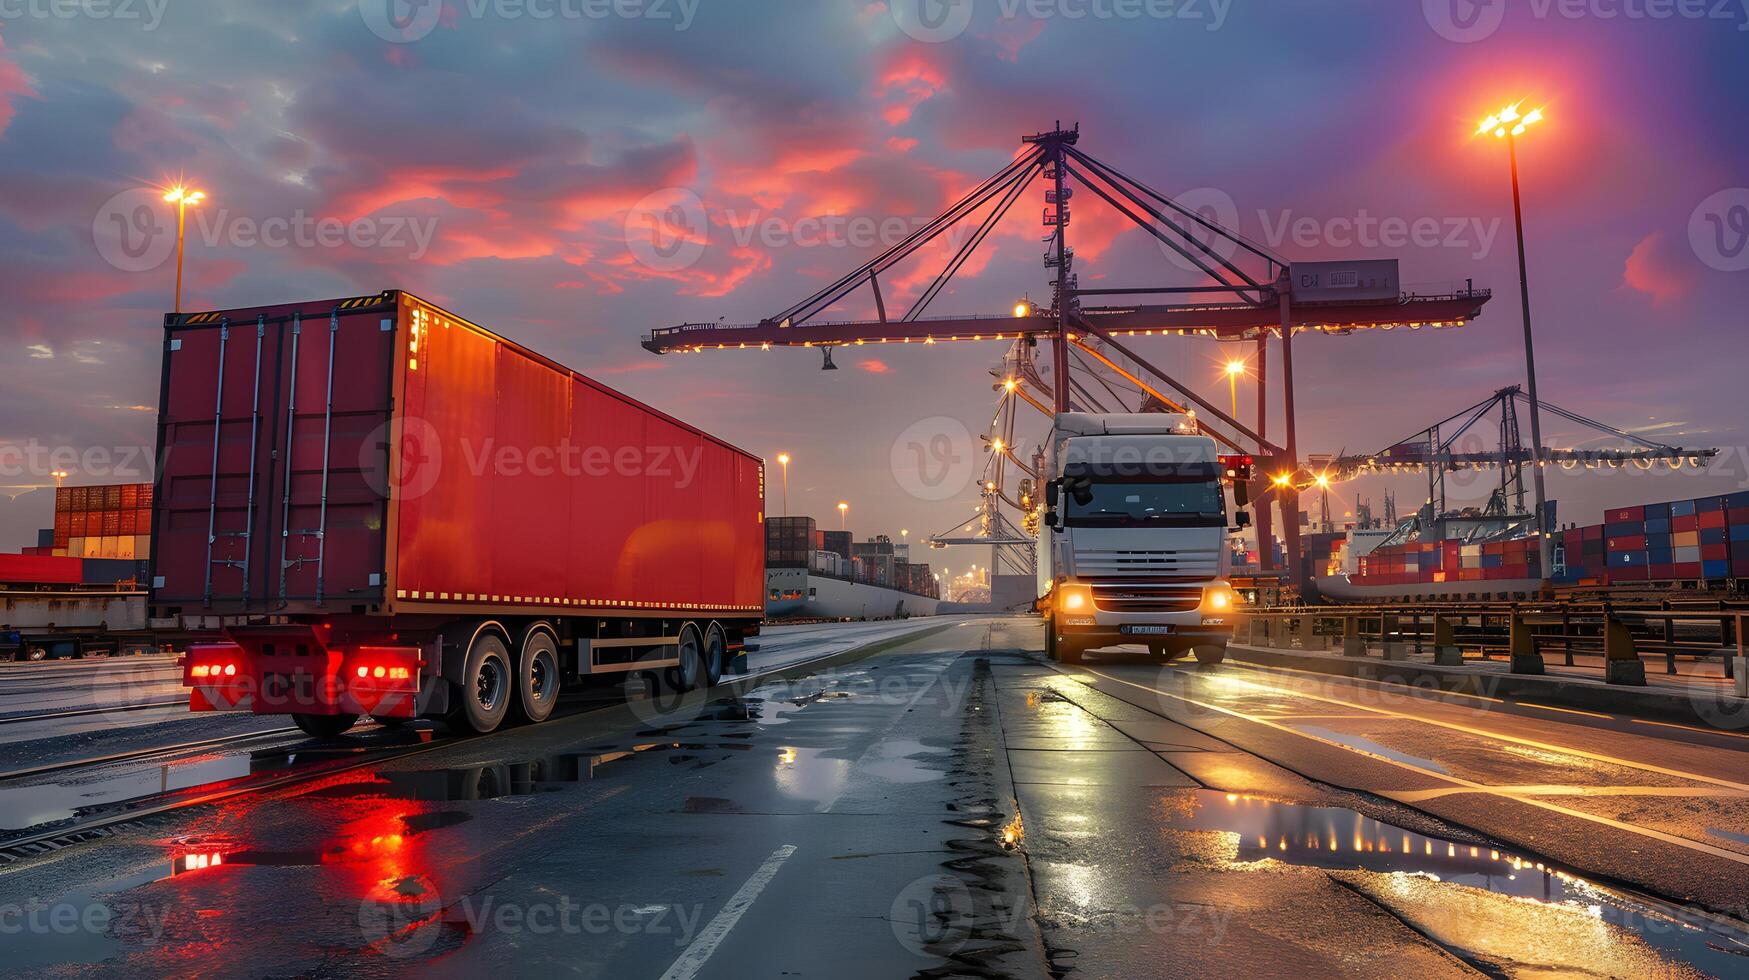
[
  {"x": 1200, "y": 563},
  {"x": 1145, "y": 597}
]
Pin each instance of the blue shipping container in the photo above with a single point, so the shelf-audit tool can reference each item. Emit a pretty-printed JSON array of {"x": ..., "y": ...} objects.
[
  {"x": 1715, "y": 569},
  {"x": 1714, "y": 535},
  {"x": 1657, "y": 512},
  {"x": 1682, "y": 508},
  {"x": 1659, "y": 525},
  {"x": 1660, "y": 556},
  {"x": 1740, "y": 532},
  {"x": 1738, "y": 499},
  {"x": 1624, "y": 529},
  {"x": 1627, "y": 559},
  {"x": 1656, "y": 541}
]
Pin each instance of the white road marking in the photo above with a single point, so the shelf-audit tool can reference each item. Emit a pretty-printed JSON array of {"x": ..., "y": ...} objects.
[{"x": 691, "y": 961}]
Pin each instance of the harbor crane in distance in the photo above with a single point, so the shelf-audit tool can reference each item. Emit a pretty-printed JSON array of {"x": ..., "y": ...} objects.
[{"x": 1247, "y": 294}]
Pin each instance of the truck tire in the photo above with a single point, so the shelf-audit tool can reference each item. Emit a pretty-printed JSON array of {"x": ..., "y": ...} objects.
[
  {"x": 1062, "y": 651},
  {"x": 690, "y": 674},
  {"x": 1211, "y": 654},
  {"x": 324, "y": 726},
  {"x": 34, "y": 653},
  {"x": 716, "y": 655},
  {"x": 537, "y": 676},
  {"x": 487, "y": 685}
]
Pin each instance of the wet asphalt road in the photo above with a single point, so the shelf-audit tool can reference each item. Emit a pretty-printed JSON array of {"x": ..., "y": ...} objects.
[{"x": 950, "y": 806}]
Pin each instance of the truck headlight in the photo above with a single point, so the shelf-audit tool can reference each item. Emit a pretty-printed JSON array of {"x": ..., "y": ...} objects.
[
  {"x": 1074, "y": 598},
  {"x": 1217, "y": 599}
]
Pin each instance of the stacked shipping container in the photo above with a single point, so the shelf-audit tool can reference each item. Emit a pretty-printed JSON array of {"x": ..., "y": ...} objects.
[
  {"x": 1703, "y": 539},
  {"x": 112, "y": 521}
]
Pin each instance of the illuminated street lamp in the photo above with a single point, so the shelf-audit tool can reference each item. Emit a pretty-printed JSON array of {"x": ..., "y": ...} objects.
[
  {"x": 1508, "y": 124},
  {"x": 843, "y": 521},
  {"x": 1235, "y": 368},
  {"x": 182, "y": 197},
  {"x": 783, "y": 461},
  {"x": 59, "y": 475}
]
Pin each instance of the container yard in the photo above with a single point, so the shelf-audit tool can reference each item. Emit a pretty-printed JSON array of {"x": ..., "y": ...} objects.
[{"x": 938, "y": 503}]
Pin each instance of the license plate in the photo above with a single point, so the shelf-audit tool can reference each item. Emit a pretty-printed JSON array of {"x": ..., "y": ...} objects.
[{"x": 1145, "y": 630}]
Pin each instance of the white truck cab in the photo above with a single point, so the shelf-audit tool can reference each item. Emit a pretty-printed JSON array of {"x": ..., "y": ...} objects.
[{"x": 1133, "y": 545}]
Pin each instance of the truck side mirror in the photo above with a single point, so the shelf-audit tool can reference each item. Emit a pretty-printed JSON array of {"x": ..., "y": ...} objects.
[
  {"x": 1241, "y": 492},
  {"x": 1241, "y": 520},
  {"x": 1051, "y": 520},
  {"x": 1051, "y": 499}
]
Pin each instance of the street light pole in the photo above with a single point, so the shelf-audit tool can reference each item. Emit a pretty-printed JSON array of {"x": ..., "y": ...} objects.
[
  {"x": 1509, "y": 125},
  {"x": 783, "y": 461},
  {"x": 182, "y": 197}
]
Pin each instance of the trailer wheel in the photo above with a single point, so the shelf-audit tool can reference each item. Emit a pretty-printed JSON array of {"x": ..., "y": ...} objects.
[
  {"x": 690, "y": 652},
  {"x": 325, "y": 726},
  {"x": 716, "y": 655},
  {"x": 537, "y": 676},
  {"x": 487, "y": 685}
]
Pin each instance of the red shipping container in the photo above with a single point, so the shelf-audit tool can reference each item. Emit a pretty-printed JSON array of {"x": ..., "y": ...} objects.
[
  {"x": 1740, "y": 567},
  {"x": 1715, "y": 552},
  {"x": 1623, "y": 515},
  {"x": 1712, "y": 518},
  {"x": 1690, "y": 569},
  {"x": 63, "y": 528},
  {"x": 77, "y": 498},
  {"x": 1635, "y": 542},
  {"x": 111, "y": 497},
  {"x": 631, "y": 512},
  {"x": 1632, "y": 574},
  {"x": 1687, "y": 522},
  {"x": 63, "y": 499},
  {"x": 40, "y": 570},
  {"x": 111, "y": 524},
  {"x": 130, "y": 523},
  {"x": 143, "y": 522},
  {"x": 1737, "y": 516},
  {"x": 1593, "y": 532}
]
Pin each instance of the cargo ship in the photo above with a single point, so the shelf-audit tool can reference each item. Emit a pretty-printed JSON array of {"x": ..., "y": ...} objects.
[
  {"x": 817, "y": 574},
  {"x": 1697, "y": 544}
]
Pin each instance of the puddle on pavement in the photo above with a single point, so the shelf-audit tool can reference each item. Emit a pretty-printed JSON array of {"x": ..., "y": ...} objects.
[
  {"x": 544, "y": 775},
  {"x": 1339, "y": 839},
  {"x": 23, "y": 807}
]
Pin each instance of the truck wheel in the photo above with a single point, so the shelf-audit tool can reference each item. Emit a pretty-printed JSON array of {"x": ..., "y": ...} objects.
[
  {"x": 324, "y": 726},
  {"x": 691, "y": 672},
  {"x": 487, "y": 685},
  {"x": 1210, "y": 655},
  {"x": 35, "y": 653},
  {"x": 538, "y": 676},
  {"x": 1063, "y": 651},
  {"x": 716, "y": 655}
]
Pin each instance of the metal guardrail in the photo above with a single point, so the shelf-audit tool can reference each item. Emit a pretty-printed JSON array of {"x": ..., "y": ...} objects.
[{"x": 1523, "y": 632}]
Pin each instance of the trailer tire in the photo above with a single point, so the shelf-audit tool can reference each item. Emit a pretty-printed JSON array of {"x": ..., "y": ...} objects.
[
  {"x": 716, "y": 655},
  {"x": 486, "y": 684},
  {"x": 689, "y": 675},
  {"x": 537, "y": 676},
  {"x": 324, "y": 726}
]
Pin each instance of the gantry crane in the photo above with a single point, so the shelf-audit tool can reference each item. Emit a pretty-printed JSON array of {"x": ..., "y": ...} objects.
[{"x": 1248, "y": 294}]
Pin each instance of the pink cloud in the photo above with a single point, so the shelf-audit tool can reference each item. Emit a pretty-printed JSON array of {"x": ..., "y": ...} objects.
[
  {"x": 13, "y": 85},
  {"x": 873, "y": 366},
  {"x": 1652, "y": 270}
]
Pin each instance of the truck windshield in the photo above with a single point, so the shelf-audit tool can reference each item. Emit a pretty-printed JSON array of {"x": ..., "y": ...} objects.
[{"x": 1177, "y": 504}]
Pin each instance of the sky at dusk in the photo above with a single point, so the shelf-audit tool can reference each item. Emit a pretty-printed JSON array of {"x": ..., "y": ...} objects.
[{"x": 491, "y": 155}]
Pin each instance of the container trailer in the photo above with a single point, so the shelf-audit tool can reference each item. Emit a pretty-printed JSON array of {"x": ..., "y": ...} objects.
[{"x": 391, "y": 511}]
